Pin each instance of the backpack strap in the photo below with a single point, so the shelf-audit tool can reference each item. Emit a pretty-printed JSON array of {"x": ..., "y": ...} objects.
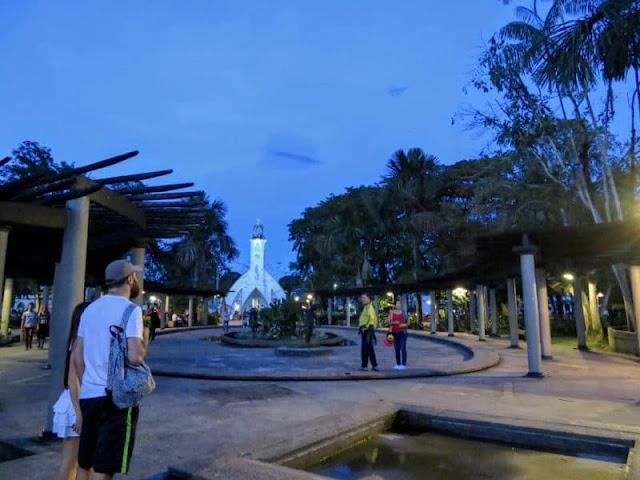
[{"x": 126, "y": 314}]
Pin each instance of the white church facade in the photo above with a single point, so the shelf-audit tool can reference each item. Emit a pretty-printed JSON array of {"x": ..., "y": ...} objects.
[{"x": 256, "y": 288}]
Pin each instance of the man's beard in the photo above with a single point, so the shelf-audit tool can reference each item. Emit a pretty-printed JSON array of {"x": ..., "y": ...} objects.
[{"x": 135, "y": 291}]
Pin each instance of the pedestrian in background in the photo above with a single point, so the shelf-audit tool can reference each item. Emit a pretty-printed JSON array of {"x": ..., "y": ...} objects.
[
  {"x": 367, "y": 325},
  {"x": 398, "y": 327},
  {"x": 44, "y": 318},
  {"x": 28, "y": 325}
]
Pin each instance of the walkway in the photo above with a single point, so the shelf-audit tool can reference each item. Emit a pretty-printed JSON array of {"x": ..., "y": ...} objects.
[{"x": 217, "y": 429}]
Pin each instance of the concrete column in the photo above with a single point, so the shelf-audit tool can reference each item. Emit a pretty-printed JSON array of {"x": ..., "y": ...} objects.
[
  {"x": 330, "y": 311},
  {"x": 578, "y": 313},
  {"x": 634, "y": 274},
  {"x": 7, "y": 298},
  {"x": 348, "y": 312},
  {"x": 434, "y": 312},
  {"x": 450, "y": 311},
  {"x": 493, "y": 312},
  {"x": 45, "y": 295},
  {"x": 4, "y": 242},
  {"x": 543, "y": 312},
  {"x": 376, "y": 307},
  {"x": 473, "y": 309},
  {"x": 513, "y": 312},
  {"x": 594, "y": 314},
  {"x": 482, "y": 312},
  {"x": 69, "y": 292},
  {"x": 137, "y": 258},
  {"x": 405, "y": 304},
  {"x": 190, "y": 311},
  {"x": 531, "y": 316},
  {"x": 163, "y": 320},
  {"x": 205, "y": 310}
]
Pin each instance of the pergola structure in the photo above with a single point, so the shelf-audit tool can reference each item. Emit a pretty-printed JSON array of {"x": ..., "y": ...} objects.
[
  {"x": 528, "y": 255},
  {"x": 63, "y": 228}
]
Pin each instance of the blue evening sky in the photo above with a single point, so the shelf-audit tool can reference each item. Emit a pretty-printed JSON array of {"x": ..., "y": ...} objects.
[{"x": 271, "y": 105}]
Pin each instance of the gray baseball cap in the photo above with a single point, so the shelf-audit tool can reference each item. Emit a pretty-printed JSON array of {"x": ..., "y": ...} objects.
[{"x": 118, "y": 270}]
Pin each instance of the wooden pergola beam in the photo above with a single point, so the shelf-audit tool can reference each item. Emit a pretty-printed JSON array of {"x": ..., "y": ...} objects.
[
  {"x": 133, "y": 178},
  {"x": 159, "y": 188}
]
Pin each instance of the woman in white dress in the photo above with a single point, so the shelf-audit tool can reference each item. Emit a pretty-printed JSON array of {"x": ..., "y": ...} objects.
[{"x": 67, "y": 419}]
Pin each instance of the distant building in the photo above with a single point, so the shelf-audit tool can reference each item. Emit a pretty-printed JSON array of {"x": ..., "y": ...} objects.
[{"x": 256, "y": 288}]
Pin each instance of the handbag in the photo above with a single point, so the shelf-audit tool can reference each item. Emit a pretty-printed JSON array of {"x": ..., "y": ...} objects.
[{"x": 127, "y": 384}]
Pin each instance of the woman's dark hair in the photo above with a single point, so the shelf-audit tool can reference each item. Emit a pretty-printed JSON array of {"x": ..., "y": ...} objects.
[{"x": 73, "y": 333}]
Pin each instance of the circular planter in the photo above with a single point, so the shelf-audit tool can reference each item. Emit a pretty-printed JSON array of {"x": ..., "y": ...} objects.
[
  {"x": 623, "y": 341},
  {"x": 303, "y": 352},
  {"x": 328, "y": 340}
]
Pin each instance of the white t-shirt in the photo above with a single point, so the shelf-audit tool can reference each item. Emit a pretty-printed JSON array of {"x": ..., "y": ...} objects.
[{"x": 94, "y": 330}]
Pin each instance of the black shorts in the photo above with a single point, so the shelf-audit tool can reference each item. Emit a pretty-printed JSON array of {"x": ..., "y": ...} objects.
[{"x": 107, "y": 437}]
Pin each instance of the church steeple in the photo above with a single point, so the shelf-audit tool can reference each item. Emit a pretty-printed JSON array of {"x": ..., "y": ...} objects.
[
  {"x": 257, "y": 252},
  {"x": 258, "y": 230}
]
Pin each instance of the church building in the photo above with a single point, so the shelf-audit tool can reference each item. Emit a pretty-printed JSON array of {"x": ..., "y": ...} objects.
[{"x": 256, "y": 288}]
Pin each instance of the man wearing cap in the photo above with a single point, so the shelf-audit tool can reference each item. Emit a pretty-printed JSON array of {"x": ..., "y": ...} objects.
[{"x": 107, "y": 432}]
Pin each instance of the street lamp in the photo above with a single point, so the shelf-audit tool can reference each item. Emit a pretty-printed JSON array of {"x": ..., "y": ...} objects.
[{"x": 568, "y": 276}]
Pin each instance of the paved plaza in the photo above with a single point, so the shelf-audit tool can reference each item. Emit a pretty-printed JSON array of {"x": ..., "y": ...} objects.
[{"x": 221, "y": 428}]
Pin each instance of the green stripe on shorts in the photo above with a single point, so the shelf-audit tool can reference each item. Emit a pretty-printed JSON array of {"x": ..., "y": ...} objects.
[{"x": 127, "y": 439}]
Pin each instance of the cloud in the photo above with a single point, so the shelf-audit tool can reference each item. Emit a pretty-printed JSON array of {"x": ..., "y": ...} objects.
[{"x": 397, "y": 91}]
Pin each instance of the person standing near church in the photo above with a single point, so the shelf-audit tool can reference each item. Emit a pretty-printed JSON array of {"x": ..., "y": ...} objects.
[
  {"x": 43, "y": 325},
  {"x": 367, "y": 326},
  {"x": 29, "y": 322}
]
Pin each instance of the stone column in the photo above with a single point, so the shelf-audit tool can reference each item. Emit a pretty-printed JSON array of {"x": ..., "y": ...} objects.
[
  {"x": 450, "y": 311},
  {"x": 482, "y": 312},
  {"x": 190, "y": 311},
  {"x": 137, "y": 258},
  {"x": 513, "y": 312},
  {"x": 473, "y": 319},
  {"x": 531, "y": 316},
  {"x": 205, "y": 310},
  {"x": 7, "y": 298},
  {"x": 348, "y": 312},
  {"x": 68, "y": 292},
  {"x": 543, "y": 311},
  {"x": 330, "y": 312},
  {"x": 493, "y": 312},
  {"x": 578, "y": 312},
  {"x": 434, "y": 312},
  {"x": 376, "y": 307},
  {"x": 634, "y": 275}
]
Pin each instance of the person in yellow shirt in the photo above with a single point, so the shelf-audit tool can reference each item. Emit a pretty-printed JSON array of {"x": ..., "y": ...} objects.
[{"x": 367, "y": 325}]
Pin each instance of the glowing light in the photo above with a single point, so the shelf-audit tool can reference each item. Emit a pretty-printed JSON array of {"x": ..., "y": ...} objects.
[
  {"x": 459, "y": 291},
  {"x": 390, "y": 294},
  {"x": 309, "y": 296},
  {"x": 335, "y": 285},
  {"x": 296, "y": 298},
  {"x": 568, "y": 276},
  {"x": 600, "y": 295},
  {"x": 153, "y": 299}
]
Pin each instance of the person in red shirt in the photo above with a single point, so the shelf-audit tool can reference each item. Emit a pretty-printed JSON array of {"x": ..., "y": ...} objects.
[{"x": 398, "y": 327}]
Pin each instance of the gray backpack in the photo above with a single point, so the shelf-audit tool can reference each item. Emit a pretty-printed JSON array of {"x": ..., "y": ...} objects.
[{"x": 127, "y": 383}]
